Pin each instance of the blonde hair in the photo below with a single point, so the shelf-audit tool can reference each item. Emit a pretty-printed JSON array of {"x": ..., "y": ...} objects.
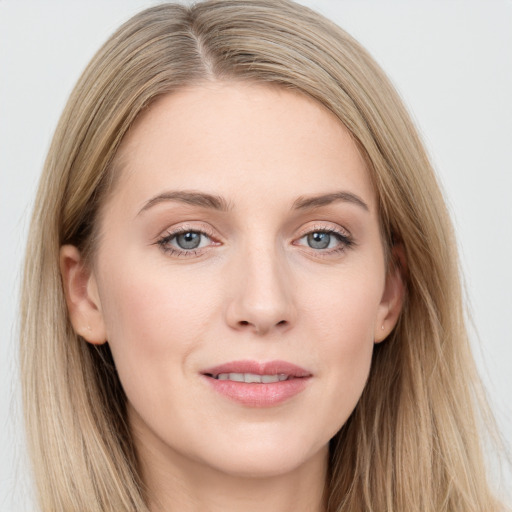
[{"x": 412, "y": 443}]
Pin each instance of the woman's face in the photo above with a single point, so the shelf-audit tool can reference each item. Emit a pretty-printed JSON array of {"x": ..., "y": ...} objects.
[{"x": 241, "y": 243}]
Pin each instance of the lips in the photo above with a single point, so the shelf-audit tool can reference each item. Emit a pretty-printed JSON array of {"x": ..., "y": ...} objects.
[{"x": 256, "y": 384}]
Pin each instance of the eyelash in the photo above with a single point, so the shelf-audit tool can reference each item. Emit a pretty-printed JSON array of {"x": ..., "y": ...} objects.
[
  {"x": 345, "y": 241},
  {"x": 174, "y": 251}
]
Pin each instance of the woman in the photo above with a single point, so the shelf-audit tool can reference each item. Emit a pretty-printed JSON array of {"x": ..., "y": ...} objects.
[{"x": 241, "y": 288}]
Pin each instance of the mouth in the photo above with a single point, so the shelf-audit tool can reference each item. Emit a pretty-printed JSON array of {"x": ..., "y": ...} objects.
[
  {"x": 256, "y": 384},
  {"x": 252, "y": 372},
  {"x": 251, "y": 378}
]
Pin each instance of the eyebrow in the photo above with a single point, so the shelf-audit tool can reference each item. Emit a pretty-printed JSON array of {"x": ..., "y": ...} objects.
[
  {"x": 188, "y": 197},
  {"x": 306, "y": 203},
  {"x": 219, "y": 203}
]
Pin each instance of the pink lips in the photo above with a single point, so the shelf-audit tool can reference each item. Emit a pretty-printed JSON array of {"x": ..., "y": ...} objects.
[{"x": 259, "y": 394}]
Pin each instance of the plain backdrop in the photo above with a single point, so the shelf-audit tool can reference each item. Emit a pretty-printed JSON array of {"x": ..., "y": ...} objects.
[{"x": 450, "y": 60}]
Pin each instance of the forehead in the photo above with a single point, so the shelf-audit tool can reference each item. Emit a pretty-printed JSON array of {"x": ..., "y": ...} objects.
[{"x": 241, "y": 140}]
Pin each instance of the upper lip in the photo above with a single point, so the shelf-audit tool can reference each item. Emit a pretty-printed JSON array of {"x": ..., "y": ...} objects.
[{"x": 258, "y": 368}]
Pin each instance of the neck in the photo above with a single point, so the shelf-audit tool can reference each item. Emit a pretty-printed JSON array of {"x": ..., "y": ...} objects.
[{"x": 177, "y": 484}]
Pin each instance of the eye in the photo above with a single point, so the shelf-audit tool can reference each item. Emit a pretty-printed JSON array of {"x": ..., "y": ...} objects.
[
  {"x": 325, "y": 240},
  {"x": 320, "y": 240},
  {"x": 185, "y": 242},
  {"x": 189, "y": 240}
]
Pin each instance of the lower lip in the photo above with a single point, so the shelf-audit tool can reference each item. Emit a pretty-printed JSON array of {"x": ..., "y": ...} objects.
[{"x": 258, "y": 394}]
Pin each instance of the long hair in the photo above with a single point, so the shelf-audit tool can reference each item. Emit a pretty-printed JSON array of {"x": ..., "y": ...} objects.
[{"x": 413, "y": 441}]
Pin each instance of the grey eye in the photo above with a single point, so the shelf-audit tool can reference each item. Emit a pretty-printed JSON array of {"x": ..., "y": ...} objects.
[
  {"x": 319, "y": 240},
  {"x": 188, "y": 240}
]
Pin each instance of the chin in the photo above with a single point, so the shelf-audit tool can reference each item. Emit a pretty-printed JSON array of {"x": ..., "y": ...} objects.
[{"x": 265, "y": 458}]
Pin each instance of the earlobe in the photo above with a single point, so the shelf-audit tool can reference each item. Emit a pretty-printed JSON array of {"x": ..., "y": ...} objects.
[
  {"x": 393, "y": 296},
  {"x": 82, "y": 296}
]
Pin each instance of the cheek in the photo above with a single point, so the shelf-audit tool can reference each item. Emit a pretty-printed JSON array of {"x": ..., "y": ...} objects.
[
  {"x": 154, "y": 320},
  {"x": 342, "y": 321},
  {"x": 344, "y": 309},
  {"x": 143, "y": 299}
]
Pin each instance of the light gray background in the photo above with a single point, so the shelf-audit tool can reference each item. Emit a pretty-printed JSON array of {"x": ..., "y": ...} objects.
[{"x": 451, "y": 61}]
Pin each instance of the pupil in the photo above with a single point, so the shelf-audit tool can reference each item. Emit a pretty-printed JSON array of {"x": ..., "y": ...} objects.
[
  {"x": 188, "y": 240},
  {"x": 319, "y": 240}
]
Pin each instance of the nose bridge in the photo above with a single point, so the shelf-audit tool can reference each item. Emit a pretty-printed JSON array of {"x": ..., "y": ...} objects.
[{"x": 262, "y": 295}]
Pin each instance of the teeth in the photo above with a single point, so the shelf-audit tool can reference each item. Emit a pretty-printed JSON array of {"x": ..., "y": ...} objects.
[{"x": 252, "y": 377}]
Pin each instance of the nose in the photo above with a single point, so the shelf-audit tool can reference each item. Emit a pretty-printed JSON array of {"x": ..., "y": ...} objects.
[{"x": 261, "y": 297}]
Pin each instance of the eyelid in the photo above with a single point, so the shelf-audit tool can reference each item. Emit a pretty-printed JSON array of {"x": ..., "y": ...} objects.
[
  {"x": 325, "y": 226},
  {"x": 184, "y": 227}
]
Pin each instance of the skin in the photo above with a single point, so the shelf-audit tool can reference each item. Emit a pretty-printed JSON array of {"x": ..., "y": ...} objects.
[{"x": 254, "y": 289}]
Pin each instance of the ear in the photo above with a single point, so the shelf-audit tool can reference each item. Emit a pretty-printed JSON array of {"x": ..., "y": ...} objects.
[
  {"x": 393, "y": 295},
  {"x": 82, "y": 296}
]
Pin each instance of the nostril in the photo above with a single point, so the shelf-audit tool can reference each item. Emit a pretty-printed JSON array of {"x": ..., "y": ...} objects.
[{"x": 261, "y": 328}]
